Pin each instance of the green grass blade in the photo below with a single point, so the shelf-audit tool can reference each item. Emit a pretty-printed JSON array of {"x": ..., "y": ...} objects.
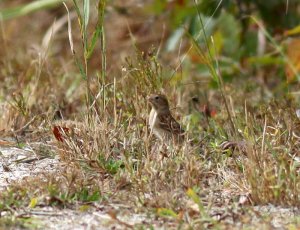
[
  {"x": 101, "y": 9},
  {"x": 86, "y": 13},
  {"x": 92, "y": 45},
  {"x": 6, "y": 14},
  {"x": 78, "y": 14}
]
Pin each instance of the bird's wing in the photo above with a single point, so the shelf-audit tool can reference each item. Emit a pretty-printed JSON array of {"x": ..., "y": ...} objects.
[{"x": 168, "y": 123}]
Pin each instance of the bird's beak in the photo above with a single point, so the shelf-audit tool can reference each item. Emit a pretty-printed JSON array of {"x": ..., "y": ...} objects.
[{"x": 149, "y": 98}]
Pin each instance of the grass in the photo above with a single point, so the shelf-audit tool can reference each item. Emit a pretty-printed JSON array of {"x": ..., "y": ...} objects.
[
  {"x": 21, "y": 223},
  {"x": 108, "y": 155}
]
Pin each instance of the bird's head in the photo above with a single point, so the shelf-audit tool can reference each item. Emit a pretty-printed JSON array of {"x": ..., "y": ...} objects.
[{"x": 159, "y": 102}]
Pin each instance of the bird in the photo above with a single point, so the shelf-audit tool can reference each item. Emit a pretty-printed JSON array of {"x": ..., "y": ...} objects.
[
  {"x": 161, "y": 122},
  {"x": 168, "y": 130},
  {"x": 240, "y": 146}
]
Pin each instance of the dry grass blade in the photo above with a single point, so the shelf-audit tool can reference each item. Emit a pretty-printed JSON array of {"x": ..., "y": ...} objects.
[{"x": 70, "y": 30}]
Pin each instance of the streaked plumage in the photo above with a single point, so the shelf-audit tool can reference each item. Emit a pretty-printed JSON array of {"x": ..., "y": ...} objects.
[{"x": 161, "y": 122}]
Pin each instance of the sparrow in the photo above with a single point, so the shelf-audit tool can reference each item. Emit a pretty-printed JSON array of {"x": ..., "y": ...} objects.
[
  {"x": 161, "y": 122},
  {"x": 167, "y": 129},
  {"x": 241, "y": 146}
]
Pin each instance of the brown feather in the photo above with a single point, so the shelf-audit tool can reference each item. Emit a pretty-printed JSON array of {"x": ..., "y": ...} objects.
[
  {"x": 161, "y": 122},
  {"x": 168, "y": 123}
]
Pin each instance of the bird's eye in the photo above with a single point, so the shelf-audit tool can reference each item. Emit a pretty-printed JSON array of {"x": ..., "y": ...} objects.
[
  {"x": 156, "y": 97},
  {"x": 195, "y": 99}
]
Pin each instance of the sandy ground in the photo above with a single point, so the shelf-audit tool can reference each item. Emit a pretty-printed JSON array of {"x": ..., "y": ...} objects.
[{"x": 16, "y": 163}]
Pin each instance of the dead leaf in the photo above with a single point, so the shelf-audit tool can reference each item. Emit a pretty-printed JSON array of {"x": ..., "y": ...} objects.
[{"x": 293, "y": 53}]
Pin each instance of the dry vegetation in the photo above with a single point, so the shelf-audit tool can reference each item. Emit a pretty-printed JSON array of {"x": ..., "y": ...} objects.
[{"x": 107, "y": 155}]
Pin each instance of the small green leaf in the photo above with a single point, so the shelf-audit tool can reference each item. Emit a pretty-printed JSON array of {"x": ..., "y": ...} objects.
[
  {"x": 191, "y": 193},
  {"x": 94, "y": 197},
  {"x": 79, "y": 65},
  {"x": 294, "y": 31},
  {"x": 33, "y": 202},
  {"x": 166, "y": 212},
  {"x": 265, "y": 60},
  {"x": 95, "y": 37},
  {"x": 84, "y": 208}
]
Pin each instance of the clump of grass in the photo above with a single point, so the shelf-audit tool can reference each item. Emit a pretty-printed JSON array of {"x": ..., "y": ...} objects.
[
  {"x": 272, "y": 169},
  {"x": 19, "y": 223},
  {"x": 64, "y": 188},
  {"x": 267, "y": 168}
]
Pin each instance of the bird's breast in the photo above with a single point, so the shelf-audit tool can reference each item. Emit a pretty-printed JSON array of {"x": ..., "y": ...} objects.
[
  {"x": 155, "y": 127},
  {"x": 152, "y": 119}
]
